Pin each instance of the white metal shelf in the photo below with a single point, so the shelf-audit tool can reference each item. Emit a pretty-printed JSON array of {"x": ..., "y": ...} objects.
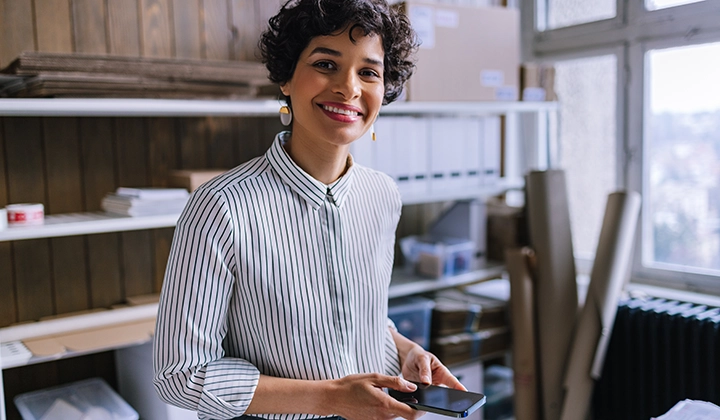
[
  {"x": 70, "y": 224},
  {"x": 404, "y": 283},
  {"x": 122, "y": 107},
  {"x": 501, "y": 186}
]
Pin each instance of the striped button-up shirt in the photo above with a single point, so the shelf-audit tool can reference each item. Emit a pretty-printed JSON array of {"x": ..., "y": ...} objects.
[{"x": 274, "y": 272}]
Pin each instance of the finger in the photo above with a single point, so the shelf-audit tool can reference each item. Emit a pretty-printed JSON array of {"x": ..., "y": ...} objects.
[
  {"x": 425, "y": 371},
  {"x": 403, "y": 410},
  {"x": 395, "y": 382},
  {"x": 444, "y": 377}
]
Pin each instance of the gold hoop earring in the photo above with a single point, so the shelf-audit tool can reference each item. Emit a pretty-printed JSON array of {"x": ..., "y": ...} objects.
[{"x": 285, "y": 115}]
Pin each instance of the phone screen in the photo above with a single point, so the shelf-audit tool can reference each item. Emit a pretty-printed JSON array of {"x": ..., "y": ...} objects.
[{"x": 440, "y": 400}]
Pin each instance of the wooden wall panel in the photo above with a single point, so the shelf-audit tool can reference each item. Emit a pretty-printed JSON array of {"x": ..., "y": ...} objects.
[
  {"x": 221, "y": 139},
  {"x": 89, "y": 26},
  {"x": 192, "y": 142},
  {"x": 186, "y": 27},
  {"x": 16, "y": 29},
  {"x": 156, "y": 28},
  {"x": 123, "y": 29},
  {"x": 53, "y": 26},
  {"x": 98, "y": 159},
  {"x": 246, "y": 28},
  {"x": 31, "y": 258},
  {"x": 216, "y": 31},
  {"x": 162, "y": 151},
  {"x": 136, "y": 246},
  {"x": 65, "y": 192},
  {"x": 8, "y": 307}
]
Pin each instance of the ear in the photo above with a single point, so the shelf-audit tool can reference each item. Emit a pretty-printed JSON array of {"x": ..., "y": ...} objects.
[{"x": 285, "y": 89}]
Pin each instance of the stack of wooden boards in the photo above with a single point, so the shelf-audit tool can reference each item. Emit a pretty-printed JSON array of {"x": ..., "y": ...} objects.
[{"x": 40, "y": 74}]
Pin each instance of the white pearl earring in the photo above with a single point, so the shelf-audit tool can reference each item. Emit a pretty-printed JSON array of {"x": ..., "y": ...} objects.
[{"x": 285, "y": 115}]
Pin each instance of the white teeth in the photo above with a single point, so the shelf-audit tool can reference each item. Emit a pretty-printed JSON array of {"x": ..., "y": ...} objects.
[{"x": 340, "y": 111}]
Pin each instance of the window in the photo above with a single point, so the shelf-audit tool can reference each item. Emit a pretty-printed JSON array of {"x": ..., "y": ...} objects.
[
  {"x": 562, "y": 13},
  {"x": 587, "y": 139},
  {"x": 639, "y": 109},
  {"x": 663, "y": 4},
  {"x": 681, "y": 222}
]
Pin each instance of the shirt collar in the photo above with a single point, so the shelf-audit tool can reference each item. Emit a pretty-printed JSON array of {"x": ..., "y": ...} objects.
[{"x": 307, "y": 187}]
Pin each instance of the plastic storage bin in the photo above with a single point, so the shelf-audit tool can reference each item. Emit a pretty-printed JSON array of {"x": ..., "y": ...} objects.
[
  {"x": 91, "y": 399},
  {"x": 438, "y": 257},
  {"x": 412, "y": 317}
]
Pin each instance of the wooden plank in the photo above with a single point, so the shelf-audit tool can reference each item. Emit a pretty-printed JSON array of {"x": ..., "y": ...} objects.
[
  {"x": 89, "y": 26},
  {"x": 32, "y": 279},
  {"x": 62, "y": 157},
  {"x": 221, "y": 143},
  {"x": 250, "y": 131},
  {"x": 53, "y": 27},
  {"x": 65, "y": 195},
  {"x": 162, "y": 152},
  {"x": 123, "y": 28},
  {"x": 136, "y": 247},
  {"x": 192, "y": 141},
  {"x": 96, "y": 139},
  {"x": 163, "y": 241},
  {"x": 16, "y": 29},
  {"x": 246, "y": 30},
  {"x": 267, "y": 9},
  {"x": 156, "y": 34},
  {"x": 186, "y": 27},
  {"x": 31, "y": 259},
  {"x": 8, "y": 308},
  {"x": 216, "y": 31}
]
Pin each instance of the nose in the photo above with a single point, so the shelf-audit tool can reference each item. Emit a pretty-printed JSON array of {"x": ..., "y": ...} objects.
[{"x": 347, "y": 84}]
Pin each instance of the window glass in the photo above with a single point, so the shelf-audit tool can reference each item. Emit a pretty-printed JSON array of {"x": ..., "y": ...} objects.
[
  {"x": 681, "y": 216},
  {"x": 664, "y": 4},
  {"x": 553, "y": 14},
  {"x": 586, "y": 90}
]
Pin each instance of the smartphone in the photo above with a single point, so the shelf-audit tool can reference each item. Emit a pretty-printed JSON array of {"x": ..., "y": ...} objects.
[{"x": 440, "y": 400}]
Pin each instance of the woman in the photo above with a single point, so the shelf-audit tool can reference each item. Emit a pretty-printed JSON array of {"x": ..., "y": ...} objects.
[{"x": 274, "y": 303}]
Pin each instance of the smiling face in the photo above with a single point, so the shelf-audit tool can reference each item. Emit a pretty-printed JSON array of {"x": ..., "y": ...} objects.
[{"x": 337, "y": 88}]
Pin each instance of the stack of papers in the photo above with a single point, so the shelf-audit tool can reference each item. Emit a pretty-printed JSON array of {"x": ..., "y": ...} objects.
[
  {"x": 692, "y": 410},
  {"x": 145, "y": 201}
]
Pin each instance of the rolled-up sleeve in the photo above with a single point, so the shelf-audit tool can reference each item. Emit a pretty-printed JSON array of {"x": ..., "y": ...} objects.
[{"x": 190, "y": 367}]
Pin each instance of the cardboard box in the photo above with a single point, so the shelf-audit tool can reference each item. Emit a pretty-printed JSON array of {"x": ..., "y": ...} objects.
[
  {"x": 192, "y": 178},
  {"x": 467, "y": 53},
  {"x": 537, "y": 82}
]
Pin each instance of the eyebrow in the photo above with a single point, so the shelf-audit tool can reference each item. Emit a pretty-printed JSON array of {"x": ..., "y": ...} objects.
[{"x": 335, "y": 53}]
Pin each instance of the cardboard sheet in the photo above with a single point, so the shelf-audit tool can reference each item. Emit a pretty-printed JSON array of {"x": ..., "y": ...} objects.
[{"x": 610, "y": 273}]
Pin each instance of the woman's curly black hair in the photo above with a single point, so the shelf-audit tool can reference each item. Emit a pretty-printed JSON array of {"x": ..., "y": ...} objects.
[{"x": 298, "y": 21}]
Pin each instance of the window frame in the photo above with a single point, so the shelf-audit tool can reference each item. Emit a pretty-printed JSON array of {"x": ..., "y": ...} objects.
[{"x": 629, "y": 35}]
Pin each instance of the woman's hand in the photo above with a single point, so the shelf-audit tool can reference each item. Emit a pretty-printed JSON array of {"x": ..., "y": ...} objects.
[
  {"x": 362, "y": 397},
  {"x": 422, "y": 366},
  {"x": 419, "y": 365}
]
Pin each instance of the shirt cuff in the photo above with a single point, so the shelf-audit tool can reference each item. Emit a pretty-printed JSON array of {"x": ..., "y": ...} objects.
[{"x": 228, "y": 389}]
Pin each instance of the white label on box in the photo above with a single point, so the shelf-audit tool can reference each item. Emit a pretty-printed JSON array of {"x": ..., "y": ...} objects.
[
  {"x": 533, "y": 94},
  {"x": 421, "y": 18},
  {"x": 447, "y": 18},
  {"x": 492, "y": 78},
  {"x": 506, "y": 93}
]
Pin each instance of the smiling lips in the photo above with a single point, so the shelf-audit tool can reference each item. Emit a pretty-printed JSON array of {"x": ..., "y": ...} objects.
[{"x": 341, "y": 114}]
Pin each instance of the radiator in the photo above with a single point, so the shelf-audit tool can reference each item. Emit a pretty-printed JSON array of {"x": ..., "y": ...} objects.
[{"x": 660, "y": 352}]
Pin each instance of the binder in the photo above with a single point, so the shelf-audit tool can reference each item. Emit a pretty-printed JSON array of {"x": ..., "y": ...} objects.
[
  {"x": 473, "y": 155},
  {"x": 384, "y": 148},
  {"x": 404, "y": 153},
  {"x": 492, "y": 141}
]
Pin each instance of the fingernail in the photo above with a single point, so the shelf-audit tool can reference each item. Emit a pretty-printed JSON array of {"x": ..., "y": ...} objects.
[
  {"x": 410, "y": 385},
  {"x": 426, "y": 379}
]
